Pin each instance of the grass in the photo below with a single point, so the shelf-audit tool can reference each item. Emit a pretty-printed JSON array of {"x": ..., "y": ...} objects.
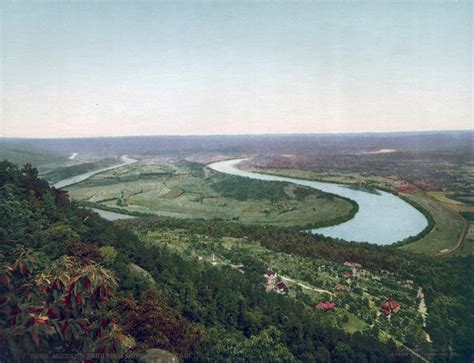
[
  {"x": 447, "y": 229},
  {"x": 184, "y": 191}
]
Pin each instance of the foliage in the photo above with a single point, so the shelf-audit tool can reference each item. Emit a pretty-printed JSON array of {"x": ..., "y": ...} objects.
[
  {"x": 156, "y": 325},
  {"x": 230, "y": 311},
  {"x": 109, "y": 254},
  {"x": 247, "y": 188},
  {"x": 58, "y": 310}
]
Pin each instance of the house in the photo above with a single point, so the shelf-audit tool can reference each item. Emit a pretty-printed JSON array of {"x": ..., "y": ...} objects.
[
  {"x": 325, "y": 305},
  {"x": 280, "y": 287},
  {"x": 346, "y": 275},
  {"x": 343, "y": 288},
  {"x": 388, "y": 307},
  {"x": 270, "y": 277},
  {"x": 352, "y": 264},
  {"x": 408, "y": 282},
  {"x": 270, "y": 273}
]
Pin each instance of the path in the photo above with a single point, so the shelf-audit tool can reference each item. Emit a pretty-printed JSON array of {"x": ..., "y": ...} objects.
[
  {"x": 284, "y": 278},
  {"x": 423, "y": 311},
  {"x": 454, "y": 248}
]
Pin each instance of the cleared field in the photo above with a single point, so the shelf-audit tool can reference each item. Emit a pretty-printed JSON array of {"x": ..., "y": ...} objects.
[
  {"x": 467, "y": 247},
  {"x": 447, "y": 230},
  {"x": 186, "y": 190}
]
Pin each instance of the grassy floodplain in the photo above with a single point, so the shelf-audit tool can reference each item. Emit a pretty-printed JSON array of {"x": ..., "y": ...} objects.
[{"x": 189, "y": 190}]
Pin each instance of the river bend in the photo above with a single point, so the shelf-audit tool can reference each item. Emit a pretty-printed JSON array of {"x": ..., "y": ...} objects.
[{"x": 383, "y": 218}]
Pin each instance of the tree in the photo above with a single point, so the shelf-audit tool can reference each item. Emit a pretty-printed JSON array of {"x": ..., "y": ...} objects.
[
  {"x": 108, "y": 253},
  {"x": 264, "y": 347},
  {"x": 58, "y": 310},
  {"x": 57, "y": 238},
  {"x": 154, "y": 324}
]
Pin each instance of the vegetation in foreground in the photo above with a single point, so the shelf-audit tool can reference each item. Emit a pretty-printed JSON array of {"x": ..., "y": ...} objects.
[
  {"x": 203, "y": 312},
  {"x": 60, "y": 294}
]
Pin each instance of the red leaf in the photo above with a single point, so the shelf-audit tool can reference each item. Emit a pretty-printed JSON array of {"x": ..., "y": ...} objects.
[
  {"x": 87, "y": 284},
  {"x": 105, "y": 322},
  {"x": 68, "y": 300},
  {"x": 35, "y": 310},
  {"x": 96, "y": 293},
  {"x": 84, "y": 329},
  {"x": 24, "y": 271},
  {"x": 53, "y": 283},
  {"x": 64, "y": 327},
  {"x": 112, "y": 347},
  {"x": 72, "y": 286},
  {"x": 14, "y": 310},
  {"x": 4, "y": 279},
  {"x": 79, "y": 299}
]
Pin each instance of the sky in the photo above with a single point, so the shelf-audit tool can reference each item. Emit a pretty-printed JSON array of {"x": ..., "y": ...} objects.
[{"x": 89, "y": 68}]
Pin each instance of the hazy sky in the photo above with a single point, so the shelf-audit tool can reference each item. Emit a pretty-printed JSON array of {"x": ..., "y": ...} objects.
[{"x": 147, "y": 68}]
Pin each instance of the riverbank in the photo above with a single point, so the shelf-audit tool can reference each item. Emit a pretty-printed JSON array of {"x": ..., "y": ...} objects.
[
  {"x": 381, "y": 218},
  {"x": 409, "y": 199},
  {"x": 82, "y": 177}
]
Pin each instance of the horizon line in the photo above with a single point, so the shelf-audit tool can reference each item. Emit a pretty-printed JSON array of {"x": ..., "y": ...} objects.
[{"x": 245, "y": 134}]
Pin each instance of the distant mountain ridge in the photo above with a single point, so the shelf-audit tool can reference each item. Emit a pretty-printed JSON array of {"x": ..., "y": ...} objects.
[{"x": 459, "y": 141}]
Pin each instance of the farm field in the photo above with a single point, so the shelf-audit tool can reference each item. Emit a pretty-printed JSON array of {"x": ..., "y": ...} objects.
[{"x": 189, "y": 190}]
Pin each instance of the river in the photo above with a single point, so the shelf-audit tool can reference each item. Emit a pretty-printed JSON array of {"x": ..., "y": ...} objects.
[
  {"x": 383, "y": 218},
  {"x": 81, "y": 177}
]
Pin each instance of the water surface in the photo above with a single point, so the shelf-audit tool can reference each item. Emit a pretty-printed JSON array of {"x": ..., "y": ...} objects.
[
  {"x": 383, "y": 218},
  {"x": 81, "y": 177}
]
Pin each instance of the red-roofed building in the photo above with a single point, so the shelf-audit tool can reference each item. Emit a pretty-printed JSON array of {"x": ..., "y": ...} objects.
[
  {"x": 389, "y": 306},
  {"x": 325, "y": 305},
  {"x": 346, "y": 275},
  {"x": 343, "y": 288},
  {"x": 280, "y": 287}
]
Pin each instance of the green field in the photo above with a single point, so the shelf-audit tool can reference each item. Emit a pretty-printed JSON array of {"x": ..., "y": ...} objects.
[
  {"x": 447, "y": 229},
  {"x": 187, "y": 190}
]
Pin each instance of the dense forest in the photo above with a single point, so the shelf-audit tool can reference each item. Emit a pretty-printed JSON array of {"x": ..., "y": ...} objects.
[{"x": 67, "y": 287}]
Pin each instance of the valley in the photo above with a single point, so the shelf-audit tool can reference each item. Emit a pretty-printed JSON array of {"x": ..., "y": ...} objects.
[{"x": 230, "y": 253}]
